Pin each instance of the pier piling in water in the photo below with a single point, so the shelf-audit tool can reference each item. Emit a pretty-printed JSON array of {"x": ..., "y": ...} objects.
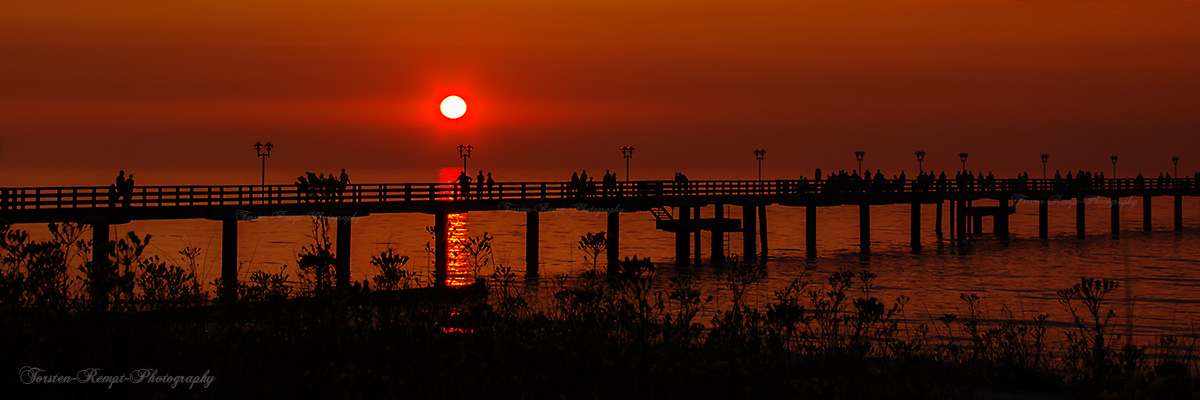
[
  {"x": 864, "y": 227},
  {"x": 343, "y": 252},
  {"x": 1043, "y": 219},
  {"x": 613, "y": 240},
  {"x": 915, "y": 226},
  {"x": 762, "y": 229},
  {"x": 441, "y": 248},
  {"x": 748, "y": 227},
  {"x": 937, "y": 225},
  {"x": 696, "y": 239},
  {"x": 1080, "y": 225},
  {"x": 1115, "y": 205},
  {"x": 1178, "y": 212},
  {"x": 229, "y": 267},
  {"x": 1000, "y": 222},
  {"x": 682, "y": 252},
  {"x": 1147, "y": 222},
  {"x": 718, "y": 236},
  {"x": 531, "y": 242},
  {"x": 810, "y": 231}
]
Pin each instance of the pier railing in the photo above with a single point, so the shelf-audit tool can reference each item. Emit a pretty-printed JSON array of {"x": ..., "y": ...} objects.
[{"x": 27, "y": 198}]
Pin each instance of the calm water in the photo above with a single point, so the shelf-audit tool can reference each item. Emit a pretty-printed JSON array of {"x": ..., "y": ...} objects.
[{"x": 1023, "y": 275}]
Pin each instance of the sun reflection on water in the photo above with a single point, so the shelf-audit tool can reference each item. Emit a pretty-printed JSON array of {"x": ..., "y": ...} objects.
[{"x": 458, "y": 273}]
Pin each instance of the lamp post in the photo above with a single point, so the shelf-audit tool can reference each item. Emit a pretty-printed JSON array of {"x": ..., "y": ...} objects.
[
  {"x": 464, "y": 151},
  {"x": 921, "y": 162},
  {"x": 627, "y": 152},
  {"x": 1045, "y": 157},
  {"x": 859, "y": 155},
  {"x": 264, "y": 151},
  {"x": 758, "y": 155},
  {"x": 963, "y": 157},
  {"x": 1114, "y": 160},
  {"x": 1175, "y": 160}
]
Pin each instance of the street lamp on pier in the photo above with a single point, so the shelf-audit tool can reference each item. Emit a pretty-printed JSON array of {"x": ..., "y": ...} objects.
[
  {"x": 963, "y": 157},
  {"x": 1114, "y": 160},
  {"x": 1045, "y": 157},
  {"x": 758, "y": 155},
  {"x": 464, "y": 151},
  {"x": 859, "y": 155},
  {"x": 921, "y": 162},
  {"x": 1175, "y": 160},
  {"x": 264, "y": 152},
  {"x": 627, "y": 152}
]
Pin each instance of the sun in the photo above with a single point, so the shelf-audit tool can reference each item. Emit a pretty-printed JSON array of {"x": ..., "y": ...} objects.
[{"x": 454, "y": 107}]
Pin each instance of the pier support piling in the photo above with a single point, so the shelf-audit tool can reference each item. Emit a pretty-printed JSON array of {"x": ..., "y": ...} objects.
[
  {"x": 1147, "y": 221},
  {"x": 531, "y": 242},
  {"x": 1178, "y": 212},
  {"x": 696, "y": 239},
  {"x": 864, "y": 228},
  {"x": 1043, "y": 219},
  {"x": 441, "y": 248},
  {"x": 343, "y": 253},
  {"x": 682, "y": 253},
  {"x": 613, "y": 240},
  {"x": 718, "y": 237},
  {"x": 748, "y": 227},
  {"x": 810, "y": 231},
  {"x": 762, "y": 229},
  {"x": 915, "y": 226},
  {"x": 100, "y": 266},
  {"x": 229, "y": 267},
  {"x": 937, "y": 226},
  {"x": 1080, "y": 225},
  {"x": 1000, "y": 222},
  {"x": 976, "y": 224},
  {"x": 961, "y": 215},
  {"x": 1115, "y": 205}
]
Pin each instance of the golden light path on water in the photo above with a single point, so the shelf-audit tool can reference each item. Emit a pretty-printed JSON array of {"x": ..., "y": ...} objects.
[{"x": 459, "y": 272}]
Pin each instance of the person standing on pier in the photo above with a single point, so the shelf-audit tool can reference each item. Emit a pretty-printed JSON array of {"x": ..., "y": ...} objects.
[
  {"x": 343, "y": 182},
  {"x": 127, "y": 190},
  {"x": 490, "y": 182},
  {"x": 464, "y": 185},
  {"x": 479, "y": 181}
]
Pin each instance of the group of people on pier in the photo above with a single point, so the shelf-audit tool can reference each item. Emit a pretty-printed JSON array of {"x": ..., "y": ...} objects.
[
  {"x": 321, "y": 188},
  {"x": 121, "y": 190},
  {"x": 463, "y": 184}
]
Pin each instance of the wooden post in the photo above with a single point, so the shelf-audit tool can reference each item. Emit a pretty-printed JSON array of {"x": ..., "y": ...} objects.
[
  {"x": 531, "y": 243},
  {"x": 682, "y": 253},
  {"x": 1000, "y": 222},
  {"x": 229, "y": 267},
  {"x": 864, "y": 227},
  {"x": 613, "y": 239},
  {"x": 810, "y": 230},
  {"x": 441, "y": 248},
  {"x": 915, "y": 226},
  {"x": 718, "y": 237},
  {"x": 1115, "y": 205},
  {"x": 976, "y": 224},
  {"x": 343, "y": 253},
  {"x": 762, "y": 229},
  {"x": 937, "y": 227},
  {"x": 748, "y": 222},
  {"x": 101, "y": 267},
  {"x": 696, "y": 239},
  {"x": 1147, "y": 221},
  {"x": 1178, "y": 212},
  {"x": 1043, "y": 218},
  {"x": 1080, "y": 228},
  {"x": 962, "y": 220}
]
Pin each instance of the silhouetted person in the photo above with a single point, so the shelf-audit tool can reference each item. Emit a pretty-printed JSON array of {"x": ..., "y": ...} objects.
[
  {"x": 112, "y": 195},
  {"x": 464, "y": 185},
  {"x": 121, "y": 179},
  {"x": 128, "y": 190},
  {"x": 490, "y": 182},
  {"x": 573, "y": 189}
]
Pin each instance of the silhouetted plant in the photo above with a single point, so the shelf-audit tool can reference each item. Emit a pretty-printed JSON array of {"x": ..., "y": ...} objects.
[
  {"x": 478, "y": 251},
  {"x": 265, "y": 286},
  {"x": 392, "y": 274},
  {"x": 34, "y": 274},
  {"x": 1089, "y": 353},
  {"x": 316, "y": 261},
  {"x": 592, "y": 245},
  {"x": 163, "y": 285}
]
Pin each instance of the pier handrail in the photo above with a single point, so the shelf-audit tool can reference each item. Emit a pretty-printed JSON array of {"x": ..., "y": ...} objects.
[{"x": 26, "y": 198}]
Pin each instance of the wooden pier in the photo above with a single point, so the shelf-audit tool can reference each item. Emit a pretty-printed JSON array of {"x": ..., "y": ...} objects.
[{"x": 101, "y": 207}]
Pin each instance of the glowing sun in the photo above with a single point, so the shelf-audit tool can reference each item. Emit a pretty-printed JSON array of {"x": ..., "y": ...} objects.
[{"x": 454, "y": 107}]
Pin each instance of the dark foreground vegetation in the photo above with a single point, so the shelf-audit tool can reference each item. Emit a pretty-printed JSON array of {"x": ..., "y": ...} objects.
[{"x": 602, "y": 334}]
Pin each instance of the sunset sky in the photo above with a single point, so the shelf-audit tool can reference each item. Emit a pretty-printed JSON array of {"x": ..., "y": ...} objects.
[{"x": 168, "y": 88}]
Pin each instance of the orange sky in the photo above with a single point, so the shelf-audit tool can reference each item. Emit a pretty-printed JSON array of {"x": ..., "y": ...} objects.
[{"x": 159, "y": 87}]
